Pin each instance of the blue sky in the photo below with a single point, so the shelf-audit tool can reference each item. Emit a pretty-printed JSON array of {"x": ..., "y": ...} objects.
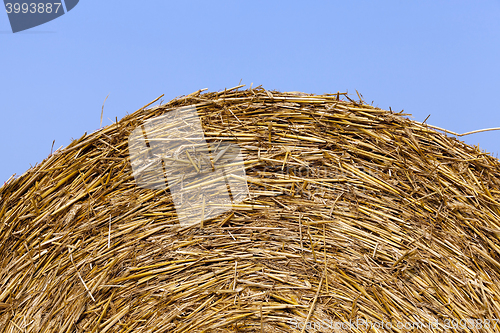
[{"x": 426, "y": 57}]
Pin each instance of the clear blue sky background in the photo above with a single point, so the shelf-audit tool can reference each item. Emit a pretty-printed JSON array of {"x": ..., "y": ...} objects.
[{"x": 426, "y": 57}]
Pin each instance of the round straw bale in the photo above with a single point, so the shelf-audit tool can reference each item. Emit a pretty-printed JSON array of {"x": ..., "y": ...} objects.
[{"x": 355, "y": 217}]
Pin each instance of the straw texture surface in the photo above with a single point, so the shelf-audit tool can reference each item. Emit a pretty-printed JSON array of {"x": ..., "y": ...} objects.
[{"x": 355, "y": 213}]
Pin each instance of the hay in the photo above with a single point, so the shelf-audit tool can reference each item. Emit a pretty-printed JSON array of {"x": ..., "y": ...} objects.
[{"x": 356, "y": 213}]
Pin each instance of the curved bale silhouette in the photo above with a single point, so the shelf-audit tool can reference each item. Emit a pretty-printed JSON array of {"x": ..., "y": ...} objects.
[{"x": 354, "y": 217}]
